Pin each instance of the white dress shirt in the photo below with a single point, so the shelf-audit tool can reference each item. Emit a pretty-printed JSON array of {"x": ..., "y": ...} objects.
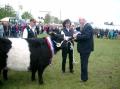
[{"x": 25, "y": 32}]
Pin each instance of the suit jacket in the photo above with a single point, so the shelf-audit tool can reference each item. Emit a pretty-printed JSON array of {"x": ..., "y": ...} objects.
[{"x": 85, "y": 42}]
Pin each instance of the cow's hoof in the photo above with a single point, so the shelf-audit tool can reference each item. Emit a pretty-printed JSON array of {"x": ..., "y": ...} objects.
[
  {"x": 1, "y": 83},
  {"x": 5, "y": 78}
]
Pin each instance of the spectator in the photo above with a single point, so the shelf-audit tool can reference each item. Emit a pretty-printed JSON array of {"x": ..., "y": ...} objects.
[
  {"x": 1, "y": 30},
  {"x": 29, "y": 31}
]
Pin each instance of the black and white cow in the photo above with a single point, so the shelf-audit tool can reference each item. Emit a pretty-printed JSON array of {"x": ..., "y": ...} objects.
[{"x": 32, "y": 54}]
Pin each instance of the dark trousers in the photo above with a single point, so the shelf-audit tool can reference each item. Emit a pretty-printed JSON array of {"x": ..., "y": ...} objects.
[
  {"x": 84, "y": 65},
  {"x": 64, "y": 57}
]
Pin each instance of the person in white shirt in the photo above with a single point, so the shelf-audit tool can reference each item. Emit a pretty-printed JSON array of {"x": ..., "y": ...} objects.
[
  {"x": 29, "y": 31},
  {"x": 1, "y": 29}
]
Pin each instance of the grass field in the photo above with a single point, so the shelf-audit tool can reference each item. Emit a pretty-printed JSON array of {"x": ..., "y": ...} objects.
[{"x": 104, "y": 71}]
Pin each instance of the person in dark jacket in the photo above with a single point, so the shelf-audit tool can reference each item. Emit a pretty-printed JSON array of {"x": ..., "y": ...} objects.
[
  {"x": 67, "y": 46},
  {"x": 85, "y": 45}
]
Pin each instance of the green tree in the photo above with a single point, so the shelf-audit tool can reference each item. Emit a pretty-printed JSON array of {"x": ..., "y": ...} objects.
[
  {"x": 27, "y": 15},
  {"x": 56, "y": 20},
  {"x": 47, "y": 18},
  {"x": 7, "y": 11},
  {"x": 51, "y": 19}
]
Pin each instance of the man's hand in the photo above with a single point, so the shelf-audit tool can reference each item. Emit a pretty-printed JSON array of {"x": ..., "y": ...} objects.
[{"x": 75, "y": 34}]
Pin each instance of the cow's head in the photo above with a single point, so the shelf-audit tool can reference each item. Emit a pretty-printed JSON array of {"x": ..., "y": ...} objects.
[{"x": 57, "y": 38}]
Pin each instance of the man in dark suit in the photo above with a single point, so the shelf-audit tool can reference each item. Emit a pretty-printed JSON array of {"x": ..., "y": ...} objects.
[{"x": 85, "y": 45}]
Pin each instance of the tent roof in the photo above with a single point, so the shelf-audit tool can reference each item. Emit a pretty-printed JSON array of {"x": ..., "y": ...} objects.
[{"x": 6, "y": 19}]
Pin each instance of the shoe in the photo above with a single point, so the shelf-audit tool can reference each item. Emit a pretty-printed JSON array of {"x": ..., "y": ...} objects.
[
  {"x": 71, "y": 71},
  {"x": 83, "y": 81},
  {"x": 63, "y": 71}
]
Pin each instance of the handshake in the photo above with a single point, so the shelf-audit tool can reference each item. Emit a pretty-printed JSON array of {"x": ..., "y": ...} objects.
[
  {"x": 67, "y": 38},
  {"x": 75, "y": 34}
]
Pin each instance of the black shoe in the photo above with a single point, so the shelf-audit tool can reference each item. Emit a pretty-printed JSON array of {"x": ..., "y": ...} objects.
[
  {"x": 83, "y": 81},
  {"x": 71, "y": 71},
  {"x": 63, "y": 71}
]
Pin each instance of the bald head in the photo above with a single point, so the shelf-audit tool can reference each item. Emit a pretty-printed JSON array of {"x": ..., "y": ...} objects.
[{"x": 82, "y": 21}]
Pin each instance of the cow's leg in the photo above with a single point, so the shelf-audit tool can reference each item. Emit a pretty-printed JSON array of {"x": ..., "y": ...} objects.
[
  {"x": 33, "y": 74},
  {"x": 0, "y": 76},
  {"x": 0, "y": 72},
  {"x": 1, "y": 83},
  {"x": 5, "y": 70},
  {"x": 40, "y": 73}
]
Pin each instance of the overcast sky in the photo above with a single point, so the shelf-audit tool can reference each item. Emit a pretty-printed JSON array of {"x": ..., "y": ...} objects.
[{"x": 93, "y": 10}]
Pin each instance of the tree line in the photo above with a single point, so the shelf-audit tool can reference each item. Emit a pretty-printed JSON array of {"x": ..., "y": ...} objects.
[{"x": 8, "y": 11}]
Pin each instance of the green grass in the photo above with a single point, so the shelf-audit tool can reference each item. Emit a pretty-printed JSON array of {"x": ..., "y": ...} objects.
[{"x": 104, "y": 71}]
